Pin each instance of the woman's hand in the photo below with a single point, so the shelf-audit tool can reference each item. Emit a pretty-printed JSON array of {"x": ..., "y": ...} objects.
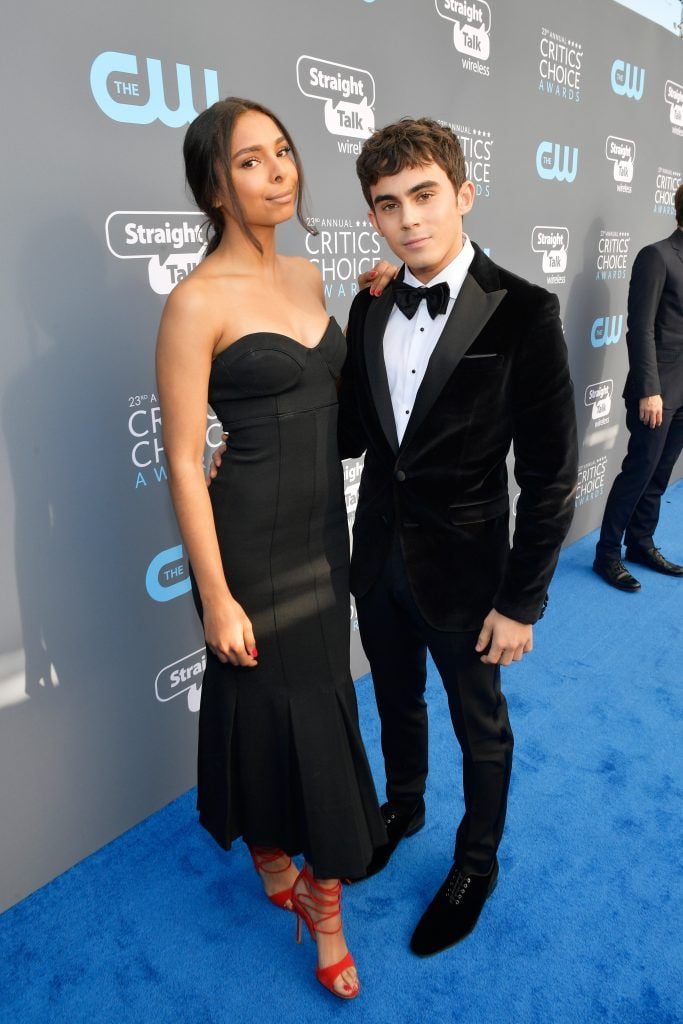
[
  {"x": 229, "y": 634},
  {"x": 378, "y": 278}
]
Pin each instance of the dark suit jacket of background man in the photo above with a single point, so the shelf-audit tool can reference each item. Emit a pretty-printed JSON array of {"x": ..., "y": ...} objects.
[
  {"x": 655, "y": 323},
  {"x": 498, "y": 374}
]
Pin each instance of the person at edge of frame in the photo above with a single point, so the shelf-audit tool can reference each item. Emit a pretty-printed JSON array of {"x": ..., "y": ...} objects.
[{"x": 654, "y": 412}]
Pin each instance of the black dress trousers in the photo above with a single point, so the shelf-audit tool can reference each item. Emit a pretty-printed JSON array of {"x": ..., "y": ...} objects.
[
  {"x": 396, "y": 639},
  {"x": 632, "y": 508}
]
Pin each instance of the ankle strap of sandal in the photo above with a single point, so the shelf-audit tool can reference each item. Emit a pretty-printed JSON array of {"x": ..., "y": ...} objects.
[
  {"x": 322, "y": 900},
  {"x": 264, "y": 856}
]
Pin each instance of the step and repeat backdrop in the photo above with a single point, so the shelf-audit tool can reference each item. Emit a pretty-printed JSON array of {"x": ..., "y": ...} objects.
[{"x": 571, "y": 119}]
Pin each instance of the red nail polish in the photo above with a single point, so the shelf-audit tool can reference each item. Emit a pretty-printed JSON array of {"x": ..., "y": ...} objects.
[{"x": 254, "y": 653}]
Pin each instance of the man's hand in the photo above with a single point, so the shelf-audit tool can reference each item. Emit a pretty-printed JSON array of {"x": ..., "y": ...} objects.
[
  {"x": 378, "y": 278},
  {"x": 650, "y": 411},
  {"x": 216, "y": 460},
  {"x": 508, "y": 639}
]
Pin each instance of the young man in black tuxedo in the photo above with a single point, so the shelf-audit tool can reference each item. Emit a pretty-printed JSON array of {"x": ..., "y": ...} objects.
[
  {"x": 454, "y": 362},
  {"x": 654, "y": 411}
]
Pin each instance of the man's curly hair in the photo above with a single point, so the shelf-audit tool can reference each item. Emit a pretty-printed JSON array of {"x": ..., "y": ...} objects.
[{"x": 410, "y": 142}]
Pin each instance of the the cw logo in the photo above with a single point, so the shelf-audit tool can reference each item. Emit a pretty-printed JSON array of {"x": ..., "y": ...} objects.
[
  {"x": 627, "y": 80},
  {"x": 606, "y": 330},
  {"x": 122, "y": 105},
  {"x": 166, "y": 577},
  {"x": 554, "y": 161}
]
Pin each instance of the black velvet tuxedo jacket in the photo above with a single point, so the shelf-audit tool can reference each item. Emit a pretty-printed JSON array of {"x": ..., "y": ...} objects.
[
  {"x": 498, "y": 375},
  {"x": 655, "y": 323}
]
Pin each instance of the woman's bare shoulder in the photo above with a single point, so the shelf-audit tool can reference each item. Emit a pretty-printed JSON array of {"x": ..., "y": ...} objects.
[{"x": 301, "y": 265}]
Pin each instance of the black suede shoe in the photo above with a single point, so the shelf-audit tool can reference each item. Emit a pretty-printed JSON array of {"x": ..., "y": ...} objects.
[
  {"x": 616, "y": 574},
  {"x": 399, "y": 826},
  {"x": 654, "y": 559},
  {"x": 454, "y": 911}
]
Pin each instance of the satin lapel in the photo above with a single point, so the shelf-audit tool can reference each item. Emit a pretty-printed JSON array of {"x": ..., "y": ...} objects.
[
  {"x": 472, "y": 309},
  {"x": 373, "y": 343},
  {"x": 676, "y": 244}
]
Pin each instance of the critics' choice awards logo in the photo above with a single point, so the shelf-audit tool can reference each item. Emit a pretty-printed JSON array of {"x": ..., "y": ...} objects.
[
  {"x": 172, "y": 242},
  {"x": 666, "y": 183},
  {"x": 559, "y": 66},
  {"x": 621, "y": 153},
  {"x": 606, "y": 330},
  {"x": 342, "y": 249},
  {"x": 552, "y": 243},
  {"x": 673, "y": 94},
  {"x": 146, "y": 443},
  {"x": 471, "y": 31},
  {"x": 126, "y": 93},
  {"x": 598, "y": 398},
  {"x": 627, "y": 79},
  {"x": 612, "y": 257},
  {"x": 182, "y": 676},
  {"x": 348, "y": 94},
  {"x": 591, "y": 480},
  {"x": 557, "y": 162},
  {"x": 477, "y": 148}
]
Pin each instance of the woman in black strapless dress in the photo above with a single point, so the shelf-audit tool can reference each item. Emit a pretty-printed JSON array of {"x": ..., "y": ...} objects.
[{"x": 281, "y": 760}]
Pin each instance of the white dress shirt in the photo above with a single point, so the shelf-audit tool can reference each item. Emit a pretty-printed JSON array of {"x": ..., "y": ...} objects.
[{"x": 408, "y": 344}]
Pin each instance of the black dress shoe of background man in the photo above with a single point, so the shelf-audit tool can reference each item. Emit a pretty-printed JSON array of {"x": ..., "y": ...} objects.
[
  {"x": 454, "y": 911},
  {"x": 399, "y": 825},
  {"x": 616, "y": 574},
  {"x": 654, "y": 559}
]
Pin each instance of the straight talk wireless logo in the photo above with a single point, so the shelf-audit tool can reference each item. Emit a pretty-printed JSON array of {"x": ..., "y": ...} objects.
[
  {"x": 182, "y": 677},
  {"x": 673, "y": 95},
  {"x": 172, "y": 243},
  {"x": 471, "y": 21},
  {"x": 348, "y": 95},
  {"x": 552, "y": 244},
  {"x": 621, "y": 153}
]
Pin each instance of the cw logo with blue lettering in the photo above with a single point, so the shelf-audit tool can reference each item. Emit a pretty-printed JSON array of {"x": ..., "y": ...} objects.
[
  {"x": 627, "y": 79},
  {"x": 606, "y": 330},
  {"x": 557, "y": 162},
  {"x": 119, "y": 96},
  {"x": 166, "y": 576}
]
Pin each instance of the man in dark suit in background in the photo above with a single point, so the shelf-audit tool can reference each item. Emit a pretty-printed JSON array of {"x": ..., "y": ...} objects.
[
  {"x": 456, "y": 360},
  {"x": 654, "y": 411}
]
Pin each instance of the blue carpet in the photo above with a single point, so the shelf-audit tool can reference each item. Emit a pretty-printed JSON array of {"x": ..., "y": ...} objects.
[{"x": 585, "y": 925}]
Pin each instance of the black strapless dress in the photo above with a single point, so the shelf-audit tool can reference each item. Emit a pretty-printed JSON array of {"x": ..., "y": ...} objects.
[{"x": 281, "y": 760}]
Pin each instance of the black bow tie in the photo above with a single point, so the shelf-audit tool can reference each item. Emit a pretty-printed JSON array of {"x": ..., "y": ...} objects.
[{"x": 408, "y": 298}]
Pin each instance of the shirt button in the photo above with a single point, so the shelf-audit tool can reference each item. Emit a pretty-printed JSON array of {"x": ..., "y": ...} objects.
[
  {"x": 422, "y": 328},
  {"x": 399, "y": 475},
  {"x": 407, "y": 412},
  {"x": 412, "y": 371}
]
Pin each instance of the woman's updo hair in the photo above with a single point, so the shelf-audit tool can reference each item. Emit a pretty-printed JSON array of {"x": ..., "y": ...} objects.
[{"x": 206, "y": 150}]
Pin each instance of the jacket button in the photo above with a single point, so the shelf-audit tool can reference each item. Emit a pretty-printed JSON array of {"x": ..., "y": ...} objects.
[{"x": 399, "y": 475}]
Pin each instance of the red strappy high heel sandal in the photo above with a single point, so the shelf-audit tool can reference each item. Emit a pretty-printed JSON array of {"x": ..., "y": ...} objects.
[
  {"x": 325, "y": 903},
  {"x": 263, "y": 858}
]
